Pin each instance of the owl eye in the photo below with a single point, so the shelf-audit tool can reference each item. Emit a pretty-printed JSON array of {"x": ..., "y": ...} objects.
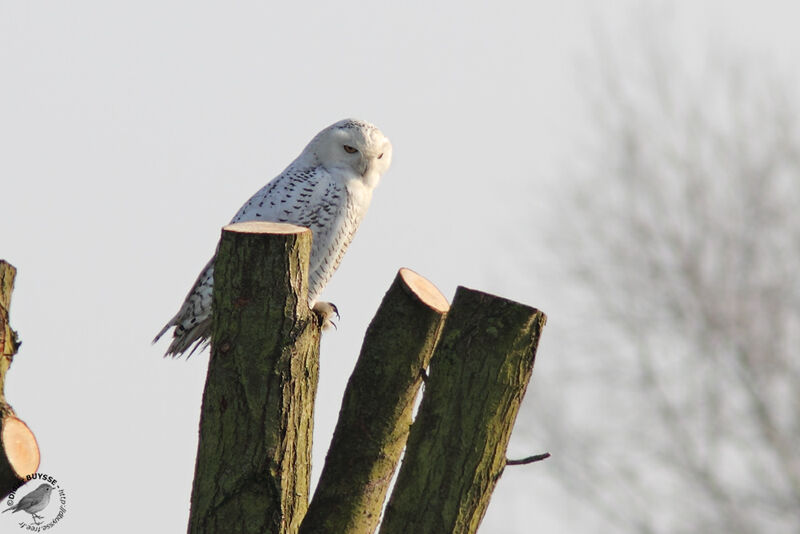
[
  {"x": 380, "y": 155},
  {"x": 349, "y": 149}
]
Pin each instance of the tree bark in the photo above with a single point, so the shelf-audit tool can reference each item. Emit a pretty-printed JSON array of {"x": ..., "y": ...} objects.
[
  {"x": 457, "y": 446},
  {"x": 377, "y": 408},
  {"x": 254, "y": 452},
  {"x": 9, "y": 344},
  {"x": 20, "y": 452}
]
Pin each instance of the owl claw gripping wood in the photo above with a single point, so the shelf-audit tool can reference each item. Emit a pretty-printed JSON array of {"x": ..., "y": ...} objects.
[
  {"x": 325, "y": 311},
  {"x": 328, "y": 189}
]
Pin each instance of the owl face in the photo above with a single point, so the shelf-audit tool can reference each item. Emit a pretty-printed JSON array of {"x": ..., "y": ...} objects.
[{"x": 355, "y": 147}]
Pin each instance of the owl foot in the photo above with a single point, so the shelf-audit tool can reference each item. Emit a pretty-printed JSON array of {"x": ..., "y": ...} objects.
[{"x": 325, "y": 311}]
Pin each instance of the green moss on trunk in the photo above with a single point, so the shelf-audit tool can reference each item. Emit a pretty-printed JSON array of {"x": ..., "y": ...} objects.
[
  {"x": 376, "y": 411},
  {"x": 254, "y": 452},
  {"x": 457, "y": 446}
]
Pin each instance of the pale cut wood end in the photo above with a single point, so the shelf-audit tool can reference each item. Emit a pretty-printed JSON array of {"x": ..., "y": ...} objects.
[
  {"x": 425, "y": 290},
  {"x": 20, "y": 447},
  {"x": 265, "y": 227}
]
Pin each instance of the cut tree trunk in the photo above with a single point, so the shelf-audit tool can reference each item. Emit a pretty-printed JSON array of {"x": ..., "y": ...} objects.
[
  {"x": 20, "y": 453},
  {"x": 254, "y": 453},
  {"x": 457, "y": 446},
  {"x": 377, "y": 408}
]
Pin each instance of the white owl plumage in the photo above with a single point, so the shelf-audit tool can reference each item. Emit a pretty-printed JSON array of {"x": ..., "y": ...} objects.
[{"x": 328, "y": 189}]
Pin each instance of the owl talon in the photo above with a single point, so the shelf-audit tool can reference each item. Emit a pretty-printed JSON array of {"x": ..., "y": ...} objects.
[{"x": 325, "y": 311}]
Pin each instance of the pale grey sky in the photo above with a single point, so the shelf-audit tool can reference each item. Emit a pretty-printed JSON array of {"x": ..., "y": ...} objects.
[{"x": 131, "y": 132}]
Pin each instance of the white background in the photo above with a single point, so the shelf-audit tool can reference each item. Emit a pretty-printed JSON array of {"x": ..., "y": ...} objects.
[{"x": 130, "y": 132}]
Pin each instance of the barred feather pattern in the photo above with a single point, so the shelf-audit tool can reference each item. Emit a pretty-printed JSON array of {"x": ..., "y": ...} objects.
[{"x": 328, "y": 189}]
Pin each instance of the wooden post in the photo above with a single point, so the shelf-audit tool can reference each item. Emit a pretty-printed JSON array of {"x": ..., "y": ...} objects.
[
  {"x": 377, "y": 408},
  {"x": 254, "y": 454},
  {"x": 20, "y": 453},
  {"x": 457, "y": 446}
]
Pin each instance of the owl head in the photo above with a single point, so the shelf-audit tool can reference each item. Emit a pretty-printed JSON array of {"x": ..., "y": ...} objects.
[{"x": 355, "y": 147}]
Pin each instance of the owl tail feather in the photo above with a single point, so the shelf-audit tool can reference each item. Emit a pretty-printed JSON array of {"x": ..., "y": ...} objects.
[
  {"x": 183, "y": 338},
  {"x": 163, "y": 330}
]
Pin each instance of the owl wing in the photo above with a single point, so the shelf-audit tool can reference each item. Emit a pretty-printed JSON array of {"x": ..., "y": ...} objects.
[
  {"x": 193, "y": 321},
  {"x": 313, "y": 198},
  {"x": 305, "y": 197}
]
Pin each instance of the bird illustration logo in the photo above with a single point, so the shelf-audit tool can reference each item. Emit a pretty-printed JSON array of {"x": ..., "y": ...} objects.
[{"x": 34, "y": 502}]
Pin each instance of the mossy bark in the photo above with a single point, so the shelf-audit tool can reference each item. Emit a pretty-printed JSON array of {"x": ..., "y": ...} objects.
[
  {"x": 457, "y": 446},
  {"x": 376, "y": 412},
  {"x": 254, "y": 452},
  {"x": 8, "y": 337},
  {"x": 19, "y": 452}
]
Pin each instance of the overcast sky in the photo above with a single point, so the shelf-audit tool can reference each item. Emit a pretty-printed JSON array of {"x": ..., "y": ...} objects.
[{"x": 131, "y": 132}]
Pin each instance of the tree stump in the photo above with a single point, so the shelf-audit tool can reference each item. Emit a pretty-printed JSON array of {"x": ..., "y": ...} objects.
[
  {"x": 254, "y": 454},
  {"x": 377, "y": 407},
  {"x": 457, "y": 446},
  {"x": 20, "y": 452}
]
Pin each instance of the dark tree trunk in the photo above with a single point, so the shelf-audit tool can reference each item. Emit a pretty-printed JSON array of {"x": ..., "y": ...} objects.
[
  {"x": 254, "y": 454},
  {"x": 19, "y": 452},
  {"x": 457, "y": 447},
  {"x": 377, "y": 407}
]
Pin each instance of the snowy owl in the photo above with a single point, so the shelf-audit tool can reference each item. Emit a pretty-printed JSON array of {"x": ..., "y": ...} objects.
[{"x": 328, "y": 189}]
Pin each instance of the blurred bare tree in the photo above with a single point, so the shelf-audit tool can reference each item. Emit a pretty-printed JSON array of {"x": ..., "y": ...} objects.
[{"x": 683, "y": 237}]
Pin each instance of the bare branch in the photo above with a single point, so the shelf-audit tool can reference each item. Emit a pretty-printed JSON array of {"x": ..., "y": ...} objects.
[{"x": 529, "y": 459}]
